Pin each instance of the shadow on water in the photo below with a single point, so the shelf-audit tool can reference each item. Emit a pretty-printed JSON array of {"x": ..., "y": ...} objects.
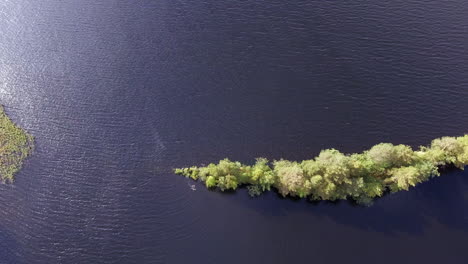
[{"x": 443, "y": 199}]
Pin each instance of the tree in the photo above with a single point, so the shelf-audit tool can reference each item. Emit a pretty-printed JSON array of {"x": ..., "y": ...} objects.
[
  {"x": 262, "y": 175},
  {"x": 386, "y": 155},
  {"x": 290, "y": 177},
  {"x": 210, "y": 182},
  {"x": 334, "y": 166},
  {"x": 462, "y": 157}
]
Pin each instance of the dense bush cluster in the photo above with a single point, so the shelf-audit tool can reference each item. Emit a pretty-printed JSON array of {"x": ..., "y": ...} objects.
[
  {"x": 333, "y": 175},
  {"x": 15, "y": 146}
]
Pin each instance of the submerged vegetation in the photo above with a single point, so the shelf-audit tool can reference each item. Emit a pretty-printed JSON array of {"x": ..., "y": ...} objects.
[
  {"x": 15, "y": 146},
  {"x": 333, "y": 175}
]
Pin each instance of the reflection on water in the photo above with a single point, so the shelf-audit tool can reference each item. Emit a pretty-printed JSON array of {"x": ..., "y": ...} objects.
[{"x": 117, "y": 93}]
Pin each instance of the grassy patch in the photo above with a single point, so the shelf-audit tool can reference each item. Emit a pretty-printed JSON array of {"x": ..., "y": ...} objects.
[{"x": 15, "y": 145}]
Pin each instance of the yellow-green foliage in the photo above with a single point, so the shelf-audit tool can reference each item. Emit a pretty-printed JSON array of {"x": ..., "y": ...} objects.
[
  {"x": 15, "y": 146},
  {"x": 333, "y": 175}
]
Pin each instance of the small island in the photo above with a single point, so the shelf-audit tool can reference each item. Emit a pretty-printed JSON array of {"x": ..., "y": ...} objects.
[
  {"x": 333, "y": 175},
  {"x": 15, "y": 145}
]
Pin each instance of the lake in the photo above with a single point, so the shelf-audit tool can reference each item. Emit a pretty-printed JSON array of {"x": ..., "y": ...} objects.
[{"x": 117, "y": 93}]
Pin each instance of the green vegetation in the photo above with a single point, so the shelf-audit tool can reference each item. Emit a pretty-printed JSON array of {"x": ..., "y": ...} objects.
[
  {"x": 333, "y": 175},
  {"x": 15, "y": 146}
]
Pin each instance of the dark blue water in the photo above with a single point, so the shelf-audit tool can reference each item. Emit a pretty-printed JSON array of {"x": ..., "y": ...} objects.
[{"x": 119, "y": 92}]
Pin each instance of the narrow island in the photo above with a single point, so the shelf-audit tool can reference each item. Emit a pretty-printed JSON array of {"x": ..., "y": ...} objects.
[
  {"x": 15, "y": 145},
  {"x": 333, "y": 175}
]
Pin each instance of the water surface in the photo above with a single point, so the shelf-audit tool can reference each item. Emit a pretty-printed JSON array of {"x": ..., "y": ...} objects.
[{"x": 119, "y": 92}]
